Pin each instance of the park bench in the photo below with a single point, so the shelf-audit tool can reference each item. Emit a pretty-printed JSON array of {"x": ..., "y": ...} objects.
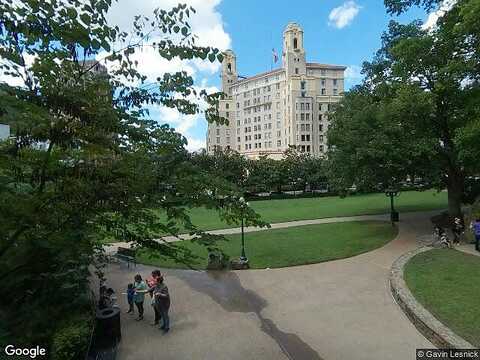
[{"x": 127, "y": 255}]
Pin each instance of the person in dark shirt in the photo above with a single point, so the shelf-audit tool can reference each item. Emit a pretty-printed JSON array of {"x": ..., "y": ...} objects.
[{"x": 162, "y": 303}]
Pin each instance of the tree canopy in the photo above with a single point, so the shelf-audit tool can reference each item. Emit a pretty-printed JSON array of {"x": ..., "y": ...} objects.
[
  {"x": 86, "y": 162},
  {"x": 417, "y": 112}
]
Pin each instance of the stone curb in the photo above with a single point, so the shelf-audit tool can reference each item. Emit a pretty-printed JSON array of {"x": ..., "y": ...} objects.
[{"x": 438, "y": 334}]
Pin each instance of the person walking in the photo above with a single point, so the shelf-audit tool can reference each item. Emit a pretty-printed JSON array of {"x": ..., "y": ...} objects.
[
  {"x": 162, "y": 303},
  {"x": 476, "y": 231},
  {"x": 139, "y": 298}
]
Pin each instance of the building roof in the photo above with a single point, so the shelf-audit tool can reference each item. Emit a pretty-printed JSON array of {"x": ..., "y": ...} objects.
[
  {"x": 259, "y": 75},
  {"x": 326, "y": 66}
]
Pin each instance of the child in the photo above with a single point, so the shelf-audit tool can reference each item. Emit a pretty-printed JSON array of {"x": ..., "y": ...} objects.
[{"x": 130, "y": 296}]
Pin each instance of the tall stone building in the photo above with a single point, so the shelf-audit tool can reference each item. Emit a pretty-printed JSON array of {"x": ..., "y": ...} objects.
[{"x": 285, "y": 107}]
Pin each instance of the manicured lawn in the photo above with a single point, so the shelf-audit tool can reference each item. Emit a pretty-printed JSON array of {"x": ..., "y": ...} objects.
[
  {"x": 274, "y": 211},
  {"x": 447, "y": 283},
  {"x": 296, "y": 245}
]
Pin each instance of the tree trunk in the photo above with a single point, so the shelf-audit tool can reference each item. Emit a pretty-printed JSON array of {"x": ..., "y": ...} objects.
[{"x": 455, "y": 193}]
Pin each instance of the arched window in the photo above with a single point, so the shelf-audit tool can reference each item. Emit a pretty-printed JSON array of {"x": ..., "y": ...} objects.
[
  {"x": 229, "y": 66},
  {"x": 295, "y": 43}
]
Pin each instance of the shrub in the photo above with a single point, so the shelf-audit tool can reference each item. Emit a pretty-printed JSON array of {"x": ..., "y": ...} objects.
[{"x": 72, "y": 337}]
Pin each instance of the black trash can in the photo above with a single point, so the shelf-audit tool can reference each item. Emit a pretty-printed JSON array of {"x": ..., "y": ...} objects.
[
  {"x": 108, "y": 330},
  {"x": 394, "y": 216}
]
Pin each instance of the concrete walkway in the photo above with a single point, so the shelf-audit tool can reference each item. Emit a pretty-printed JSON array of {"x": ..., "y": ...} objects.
[{"x": 335, "y": 310}]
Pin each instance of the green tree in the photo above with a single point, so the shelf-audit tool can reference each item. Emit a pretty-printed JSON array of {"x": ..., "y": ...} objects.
[
  {"x": 420, "y": 106},
  {"x": 86, "y": 162}
]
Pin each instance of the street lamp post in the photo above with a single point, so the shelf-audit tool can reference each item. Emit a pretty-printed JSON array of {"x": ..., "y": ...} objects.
[
  {"x": 394, "y": 216},
  {"x": 243, "y": 257}
]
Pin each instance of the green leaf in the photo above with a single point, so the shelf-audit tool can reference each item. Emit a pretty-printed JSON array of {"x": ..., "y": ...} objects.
[{"x": 85, "y": 18}]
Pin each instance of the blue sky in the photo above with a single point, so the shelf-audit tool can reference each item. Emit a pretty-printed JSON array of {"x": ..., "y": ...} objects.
[
  {"x": 254, "y": 33},
  {"x": 255, "y": 27}
]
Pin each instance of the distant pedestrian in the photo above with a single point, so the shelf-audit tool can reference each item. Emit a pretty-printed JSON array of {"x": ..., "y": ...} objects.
[
  {"x": 476, "y": 231},
  {"x": 458, "y": 229},
  {"x": 162, "y": 303},
  {"x": 130, "y": 298},
  {"x": 139, "y": 297}
]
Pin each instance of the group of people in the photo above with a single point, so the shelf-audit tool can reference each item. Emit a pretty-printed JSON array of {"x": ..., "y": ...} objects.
[
  {"x": 159, "y": 298},
  {"x": 458, "y": 230},
  {"x": 154, "y": 286}
]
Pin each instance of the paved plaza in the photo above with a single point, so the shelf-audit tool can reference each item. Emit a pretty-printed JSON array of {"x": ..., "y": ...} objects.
[{"x": 335, "y": 310}]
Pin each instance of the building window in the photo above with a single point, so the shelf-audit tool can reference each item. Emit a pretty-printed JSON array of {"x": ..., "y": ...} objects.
[
  {"x": 321, "y": 148},
  {"x": 279, "y": 143},
  {"x": 302, "y": 117},
  {"x": 302, "y": 127},
  {"x": 295, "y": 43},
  {"x": 324, "y": 91},
  {"x": 303, "y": 137},
  {"x": 320, "y": 127},
  {"x": 320, "y": 138},
  {"x": 307, "y": 117},
  {"x": 296, "y": 71},
  {"x": 227, "y": 106},
  {"x": 323, "y": 81},
  {"x": 335, "y": 91},
  {"x": 334, "y": 82},
  {"x": 307, "y": 127},
  {"x": 218, "y": 140},
  {"x": 307, "y": 138},
  {"x": 308, "y": 148}
]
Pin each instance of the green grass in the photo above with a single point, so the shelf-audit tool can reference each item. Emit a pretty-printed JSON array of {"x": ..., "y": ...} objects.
[
  {"x": 295, "y": 245},
  {"x": 273, "y": 211},
  {"x": 447, "y": 283}
]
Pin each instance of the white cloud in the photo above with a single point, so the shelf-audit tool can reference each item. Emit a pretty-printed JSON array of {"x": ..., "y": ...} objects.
[
  {"x": 195, "y": 144},
  {"x": 343, "y": 15},
  {"x": 207, "y": 26},
  {"x": 353, "y": 72},
  {"x": 353, "y": 76},
  {"x": 17, "y": 80},
  {"x": 434, "y": 16}
]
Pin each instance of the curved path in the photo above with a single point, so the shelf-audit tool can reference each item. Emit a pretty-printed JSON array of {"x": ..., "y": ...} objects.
[
  {"x": 380, "y": 217},
  {"x": 335, "y": 310}
]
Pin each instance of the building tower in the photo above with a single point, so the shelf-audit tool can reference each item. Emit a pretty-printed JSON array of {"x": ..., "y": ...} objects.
[
  {"x": 229, "y": 71},
  {"x": 294, "y": 60}
]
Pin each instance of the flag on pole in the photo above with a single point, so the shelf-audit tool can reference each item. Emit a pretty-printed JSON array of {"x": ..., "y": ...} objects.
[{"x": 275, "y": 56}]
